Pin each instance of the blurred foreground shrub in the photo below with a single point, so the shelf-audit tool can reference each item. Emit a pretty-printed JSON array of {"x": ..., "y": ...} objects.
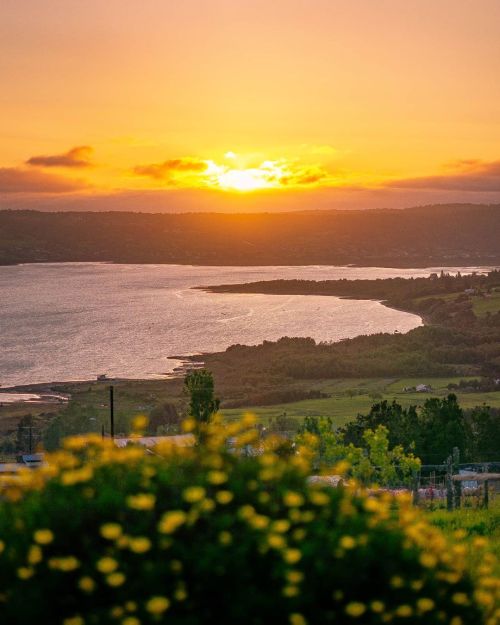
[{"x": 205, "y": 535}]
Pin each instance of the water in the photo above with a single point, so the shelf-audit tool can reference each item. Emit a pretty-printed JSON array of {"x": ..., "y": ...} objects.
[{"x": 73, "y": 321}]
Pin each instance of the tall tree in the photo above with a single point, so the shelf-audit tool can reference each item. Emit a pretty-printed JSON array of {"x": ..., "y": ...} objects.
[{"x": 203, "y": 404}]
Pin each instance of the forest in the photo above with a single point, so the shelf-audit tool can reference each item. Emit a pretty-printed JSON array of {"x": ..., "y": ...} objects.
[{"x": 446, "y": 235}]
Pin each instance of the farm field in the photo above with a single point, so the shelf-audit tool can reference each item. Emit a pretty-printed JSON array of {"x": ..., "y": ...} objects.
[
  {"x": 482, "y": 306},
  {"x": 352, "y": 396},
  {"x": 88, "y": 409}
]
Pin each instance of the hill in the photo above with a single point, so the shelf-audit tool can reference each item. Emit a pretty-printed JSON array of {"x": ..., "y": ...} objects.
[{"x": 444, "y": 235}]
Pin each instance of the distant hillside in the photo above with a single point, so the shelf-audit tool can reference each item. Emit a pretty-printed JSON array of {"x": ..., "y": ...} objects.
[{"x": 423, "y": 236}]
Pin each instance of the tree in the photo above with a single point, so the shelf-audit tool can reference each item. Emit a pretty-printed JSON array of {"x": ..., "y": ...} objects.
[
  {"x": 402, "y": 425},
  {"x": 203, "y": 404},
  {"x": 443, "y": 427},
  {"x": 164, "y": 416},
  {"x": 376, "y": 461},
  {"x": 485, "y": 422}
]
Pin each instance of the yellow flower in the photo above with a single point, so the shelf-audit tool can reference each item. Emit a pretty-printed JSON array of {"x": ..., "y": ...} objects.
[
  {"x": 180, "y": 594},
  {"x": 77, "y": 476},
  {"x": 115, "y": 579},
  {"x": 460, "y": 598},
  {"x": 139, "y": 423},
  {"x": 106, "y": 565},
  {"x": 264, "y": 497},
  {"x": 65, "y": 564},
  {"x": 217, "y": 477},
  {"x": 276, "y": 541},
  {"x": 117, "y": 611},
  {"x": 123, "y": 541},
  {"x": 428, "y": 560},
  {"x": 397, "y": 582},
  {"x": 293, "y": 499},
  {"x": 43, "y": 536},
  {"x": 2, "y": 546},
  {"x": 318, "y": 497},
  {"x": 425, "y": 605},
  {"x": 246, "y": 512},
  {"x": 188, "y": 425},
  {"x": 157, "y": 605},
  {"x": 35, "y": 554},
  {"x": 224, "y": 496},
  {"x": 281, "y": 526},
  {"x": 259, "y": 521},
  {"x": 292, "y": 556},
  {"x": 377, "y": 606},
  {"x": 484, "y": 598},
  {"x": 299, "y": 534},
  {"x": 111, "y": 531},
  {"x": 75, "y": 443},
  {"x": 480, "y": 542},
  {"x": 295, "y": 577},
  {"x": 131, "y": 606},
  {"x": 297, "y": 619},
  {"x": 74, "y": 620},
  {"x": 404, "y": 611},
  {"x": 207, "y": 505},
  {"x": 131, "y": 620},
  {"x": 290, "y": 591},
  {"x": 341, "y": 467},
  {"x": 141, "y": 501},
  {"x": 25, "y": 572},
  {"x": 347, "y": 542},
  {"x": 170, "y": 521},
  {"x": 176, "y": 566},
  {"x": 355, "y": 609},
  {"x": 192, "y": 494},
  {"x": 139, "y": 544},
  {"x": 86, "y": 584},
  {"x": 225, "y": 538}
]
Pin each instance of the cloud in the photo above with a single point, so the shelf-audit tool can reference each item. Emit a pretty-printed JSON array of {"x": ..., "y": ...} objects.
[
  {"x": 304, "y": 177},
  {"x": 79, "y": 156},
  {"x": 165, "y": 170},
  {"x": 470, "y": 176},
  {"x": 18, "y": 180}
]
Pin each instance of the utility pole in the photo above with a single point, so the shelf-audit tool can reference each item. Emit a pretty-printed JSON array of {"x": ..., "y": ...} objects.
[{"x": 112, "y": 411}]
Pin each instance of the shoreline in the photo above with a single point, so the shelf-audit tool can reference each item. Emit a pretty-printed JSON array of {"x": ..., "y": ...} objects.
[
  {"x": 487, "y": 265},
  {"x": 227, "y": 289},
  {"x": 56, "y": 388}
]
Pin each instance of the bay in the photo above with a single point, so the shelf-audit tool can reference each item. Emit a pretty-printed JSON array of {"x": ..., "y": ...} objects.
[{"x": 74, "y": 321}]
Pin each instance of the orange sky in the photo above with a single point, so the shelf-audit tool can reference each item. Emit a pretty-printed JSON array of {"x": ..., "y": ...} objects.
[{"x": 248, "y": 104}]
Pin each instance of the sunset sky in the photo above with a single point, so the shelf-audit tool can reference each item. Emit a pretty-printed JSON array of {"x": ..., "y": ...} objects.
[{"x": 248, "y": 104}]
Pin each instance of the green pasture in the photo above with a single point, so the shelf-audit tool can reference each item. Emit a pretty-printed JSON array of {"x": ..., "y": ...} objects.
[
  {"x": 484, "y": 305},
  {"x": 352, "y": 396}
]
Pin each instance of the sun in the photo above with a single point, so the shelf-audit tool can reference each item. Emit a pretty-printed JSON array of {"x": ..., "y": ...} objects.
[{"x": 245, "y": 179}]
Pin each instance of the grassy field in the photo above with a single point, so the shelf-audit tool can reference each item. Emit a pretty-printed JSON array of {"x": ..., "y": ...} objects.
[
  {"x": 352, "y": 396},
  {"x": 475, "y": 522},
  {"x": 484, "y": 305},
  {"x": 481, "y": 306},
  {"x": 89, "y": 405}
]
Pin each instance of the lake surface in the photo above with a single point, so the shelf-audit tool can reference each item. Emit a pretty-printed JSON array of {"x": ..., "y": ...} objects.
[{"x": 73, "y": 321}]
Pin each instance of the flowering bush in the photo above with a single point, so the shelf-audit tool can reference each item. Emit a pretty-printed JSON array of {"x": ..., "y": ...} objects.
[
  {"x": 375, "y": 462},
  {"x": 204, "y": 535}
]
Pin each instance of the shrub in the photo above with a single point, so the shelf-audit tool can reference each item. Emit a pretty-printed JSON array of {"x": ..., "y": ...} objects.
[{"x": 210, "y": 535}]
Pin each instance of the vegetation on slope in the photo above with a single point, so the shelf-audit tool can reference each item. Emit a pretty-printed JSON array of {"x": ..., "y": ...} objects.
[{"x": 446, "y": 235}]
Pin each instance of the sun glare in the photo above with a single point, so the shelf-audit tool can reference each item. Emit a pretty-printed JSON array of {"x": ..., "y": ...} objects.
[{"x": 244, "y": 180}]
